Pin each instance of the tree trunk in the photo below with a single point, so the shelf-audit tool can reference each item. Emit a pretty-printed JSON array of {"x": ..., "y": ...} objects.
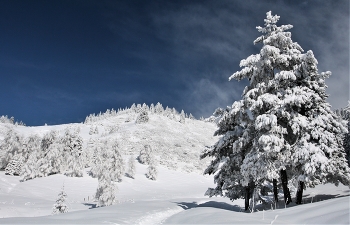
[
  {"x": 275, "y": 190},
  {"x": 286, "y": 193},
  {"x": 300, "y": 192},
  {"x": 247, "y": 197}
]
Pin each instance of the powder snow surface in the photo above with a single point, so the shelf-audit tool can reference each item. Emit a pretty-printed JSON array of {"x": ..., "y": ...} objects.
[{"x": 175, "y": 198}]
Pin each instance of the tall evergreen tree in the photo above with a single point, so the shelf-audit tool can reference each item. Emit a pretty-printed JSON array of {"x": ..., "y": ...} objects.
[
  {"x": 109, "y": 170},
  {"x": 72, "y": 151},
  {"x": 344, "y": 114},
  {"x": 278, "y": 122},
  {"x": 152, "y": 171}
]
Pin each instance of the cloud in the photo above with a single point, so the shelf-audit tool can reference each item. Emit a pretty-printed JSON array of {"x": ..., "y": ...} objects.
[
  {"x": 204, "y": 96},
  {"x": 199, "y": 31},
  {"x": 209, "y": 37},
  {"x": 193, "y": 47}
]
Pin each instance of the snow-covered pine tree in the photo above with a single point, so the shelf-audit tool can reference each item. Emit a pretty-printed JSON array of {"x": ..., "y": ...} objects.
[
  {"x": 73, "y": 148},
  {"x": 318, "y": 154},
  {"x": 97, "y": 158},
  {"x": 344, "y": 114},
  {"x": 131, "y": 167},
  {"x": 14, "y": 167},
  {"x": 109, "y": 169},
  {"x": 158, "y": 109},
  {"x": 117, "y": 165},
  {"x": 39, "y": 163},
  {"x": 191, "y": 117},
  {"x": 152, "y": 171},
  {"x": 142, "y": 117},
  {"x": 267, "y": 134},
  {"x": 54, "y": 162},
  {"x": 10, "y": 146},
  {"x": 138, "y": 108},
  {"x": 145, "y": 155},
  {"x": 133, "y": 107},
  {"x": 31, "y": 169},
  {"x": 182, "y": 117},
  {"x": 47, "y": 140},
  {"x": 60, "y": 206},
  {"x": 145, "y": 107},
  {"x": 151, "y": 108},
  {"x": 106, "y": 190},
  {"x": 30, "y": 144}
]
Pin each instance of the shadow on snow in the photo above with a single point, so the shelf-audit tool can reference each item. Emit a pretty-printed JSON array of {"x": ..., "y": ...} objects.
[{"x": 211, "y": 204}]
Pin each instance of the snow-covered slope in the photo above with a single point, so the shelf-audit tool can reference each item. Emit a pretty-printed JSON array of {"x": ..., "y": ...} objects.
[
  {"x": 176, "y": 145},
  {"x": 177, "y": 196}
]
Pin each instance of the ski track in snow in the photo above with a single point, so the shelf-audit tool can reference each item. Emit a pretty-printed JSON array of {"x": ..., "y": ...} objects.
[{"x": 158, "y": 217}]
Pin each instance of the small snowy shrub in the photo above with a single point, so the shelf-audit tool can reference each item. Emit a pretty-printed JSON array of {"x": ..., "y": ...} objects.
[{"x": 60, "y": 206}]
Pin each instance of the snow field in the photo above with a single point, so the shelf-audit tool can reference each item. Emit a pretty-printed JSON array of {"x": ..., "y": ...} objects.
[{"x": 176, "y": 197}]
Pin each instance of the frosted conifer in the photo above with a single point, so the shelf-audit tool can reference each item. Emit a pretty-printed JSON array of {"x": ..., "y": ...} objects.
[
  {"x": 60, "y": 206},
  {"x": 282, "y": 128},
  {"x": 344, "y": 114},
  {"x": 158, "y": 109},
  {"x": 30, "y": 169},
  {"x": 106, "y": 190},
  {"x": 131, "y": 167},
  {"x": 142, "y": 117},
  {"x": 108, "y": 167},
  {"x": 73, "y": 148},
  {"x": 116, "y": 163},
  {"x": 10, "y": 146},
  {"x": 151, "y": 108},
  {"x": 152, "y": 171},
  {"x": 145, "y": 155},
  {"x": 182, "y": 117},
  {"x": 14, "y": 167}
]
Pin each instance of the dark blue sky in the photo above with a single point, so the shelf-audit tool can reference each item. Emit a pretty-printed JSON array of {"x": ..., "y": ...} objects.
[{"x": 62, "y": 60}]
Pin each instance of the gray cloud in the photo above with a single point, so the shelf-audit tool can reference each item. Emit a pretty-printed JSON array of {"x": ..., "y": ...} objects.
[
  {"x": 213, "y": 37},
  {"x": 204, "y": 96}
]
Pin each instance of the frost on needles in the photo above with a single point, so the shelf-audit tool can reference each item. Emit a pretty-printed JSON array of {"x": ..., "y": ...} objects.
[{"x": 283, "y": 130}]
